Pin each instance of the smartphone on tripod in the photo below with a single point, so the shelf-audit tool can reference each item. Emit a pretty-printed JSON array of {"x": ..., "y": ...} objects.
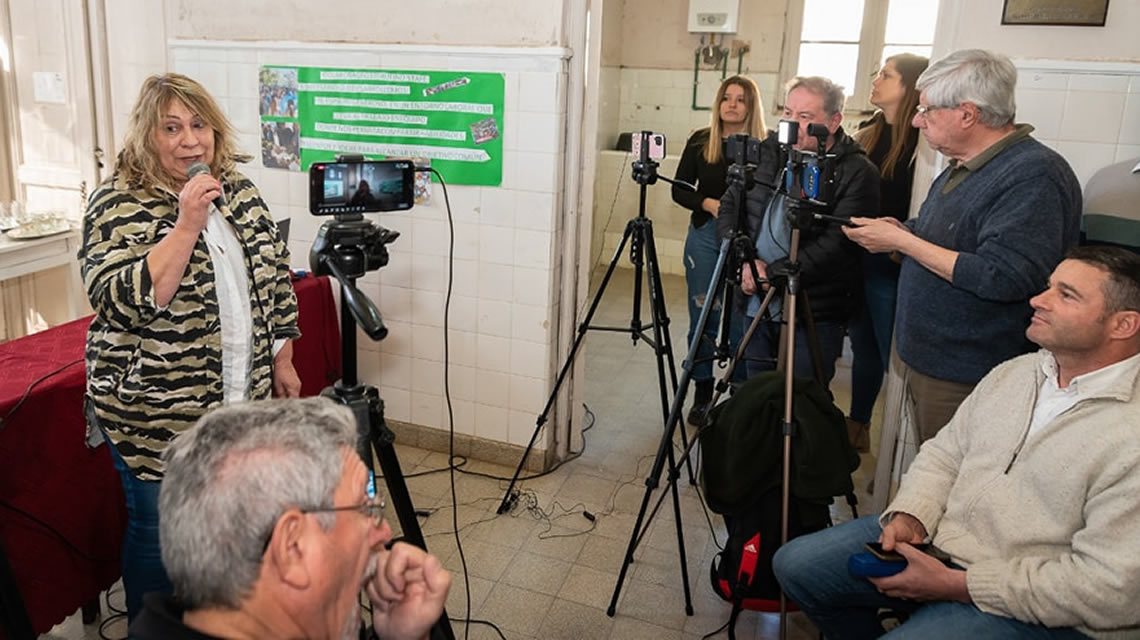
[{"x": 656, "y": 145}]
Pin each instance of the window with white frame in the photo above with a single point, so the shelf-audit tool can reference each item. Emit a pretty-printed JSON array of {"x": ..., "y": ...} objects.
[{"x": 847, "y": 40}]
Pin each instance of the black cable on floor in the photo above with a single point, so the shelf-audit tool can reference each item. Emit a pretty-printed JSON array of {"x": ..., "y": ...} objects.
[{"x": 488, "y": 623}]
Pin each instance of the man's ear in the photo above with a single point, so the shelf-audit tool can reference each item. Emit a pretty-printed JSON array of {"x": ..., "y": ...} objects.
[
  {"x": 834, "y": 121},
  {"x": 968, "y": 114},
  {"x": 288, "y": 549},
  {"x": 1125, "y": 325}
]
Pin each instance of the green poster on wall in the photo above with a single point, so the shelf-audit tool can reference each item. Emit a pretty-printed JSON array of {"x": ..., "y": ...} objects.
[{"x": 453, "y": 119}]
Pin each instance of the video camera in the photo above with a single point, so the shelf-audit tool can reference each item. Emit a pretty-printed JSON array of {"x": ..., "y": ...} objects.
[{"x": 812, "y": 171}]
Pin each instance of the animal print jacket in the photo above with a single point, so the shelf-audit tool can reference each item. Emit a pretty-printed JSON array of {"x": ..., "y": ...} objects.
[{"x": 151, "y": 371}]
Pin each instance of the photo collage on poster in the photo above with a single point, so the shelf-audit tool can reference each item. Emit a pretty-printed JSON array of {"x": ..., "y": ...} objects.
[{"x": 280, "y": 130}]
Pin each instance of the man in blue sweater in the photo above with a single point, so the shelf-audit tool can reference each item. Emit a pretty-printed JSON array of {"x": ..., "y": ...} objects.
[{"x": 993, "y": 226}]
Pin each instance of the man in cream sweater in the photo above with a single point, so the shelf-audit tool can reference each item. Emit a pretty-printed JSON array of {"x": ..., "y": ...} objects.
[{"x": 1033, "y": 489}]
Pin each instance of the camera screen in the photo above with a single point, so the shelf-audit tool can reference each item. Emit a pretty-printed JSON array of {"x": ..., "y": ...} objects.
[{"x": 361, "y": 187}]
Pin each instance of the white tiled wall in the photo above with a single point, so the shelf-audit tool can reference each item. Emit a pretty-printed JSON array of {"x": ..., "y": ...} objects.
[
  {"x": 658, "y": 100},
  {"x": 1088, "y": 111},
  {"x": 503, "y": 301},
  {"x": 661, "y": 100}
]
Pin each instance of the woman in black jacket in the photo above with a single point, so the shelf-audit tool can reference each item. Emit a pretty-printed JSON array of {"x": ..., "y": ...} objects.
[
  {"x": 737, "y": 108},
  {"x": 890, "y": 141}
]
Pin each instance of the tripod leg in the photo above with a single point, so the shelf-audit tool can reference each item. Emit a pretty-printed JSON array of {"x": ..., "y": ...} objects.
[
  {"x": 509, "y": 495},
  {"x": 680, "y": 531},
  {"x": 382, "y": 438},
  {"x": 662, "y": 335},
  {"x": 665, "y": 447}
]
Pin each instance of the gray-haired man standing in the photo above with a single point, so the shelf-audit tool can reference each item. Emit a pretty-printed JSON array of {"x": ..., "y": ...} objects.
[{"x": 994, "y": 224}]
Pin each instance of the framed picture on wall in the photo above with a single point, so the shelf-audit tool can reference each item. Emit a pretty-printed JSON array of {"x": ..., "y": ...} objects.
[{"x": 1081, "y": 13}]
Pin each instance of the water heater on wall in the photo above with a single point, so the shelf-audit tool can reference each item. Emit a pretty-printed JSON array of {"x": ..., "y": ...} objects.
[{"x": 713, "y": 16}]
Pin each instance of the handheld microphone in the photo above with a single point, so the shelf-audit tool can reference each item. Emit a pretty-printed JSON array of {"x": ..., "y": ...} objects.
[{"x": 197, "y": 169}]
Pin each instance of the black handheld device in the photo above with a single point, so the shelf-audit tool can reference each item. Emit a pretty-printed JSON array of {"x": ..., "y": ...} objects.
[
  {"x": 876, "y": 549},
  {"x": 356, "y": 185}
]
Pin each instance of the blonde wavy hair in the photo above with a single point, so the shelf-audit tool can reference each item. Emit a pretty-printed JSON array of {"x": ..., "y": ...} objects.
[
  {"x": 138, "y": 161},
  {"x": 753, "y": 125}
]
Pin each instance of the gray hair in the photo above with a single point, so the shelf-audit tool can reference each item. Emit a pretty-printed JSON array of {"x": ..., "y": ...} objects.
[
  {"x": 981, "y": 77},
  {"x": 231, "y": 476},
  {"x": 832, "y": 94}
]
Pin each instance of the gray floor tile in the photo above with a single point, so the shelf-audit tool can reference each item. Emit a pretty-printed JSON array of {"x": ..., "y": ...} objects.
[
  {"x": 536, "y": 573},
  {"x": 572, "y": 621},
  {"x": 634, "y": 629},
  {"x": 562, "y": 543},
  {"x": 516, "y": 609},
  {"x": 588, "y": 586},
  {"x": 457, "y": 596},
  {"x": 483, "y": 560}
]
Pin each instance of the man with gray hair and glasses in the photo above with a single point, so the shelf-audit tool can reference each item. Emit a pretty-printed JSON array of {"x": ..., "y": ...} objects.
[
  {"x": 271, "y": 526},
  {"x": 994, "y": 223}
]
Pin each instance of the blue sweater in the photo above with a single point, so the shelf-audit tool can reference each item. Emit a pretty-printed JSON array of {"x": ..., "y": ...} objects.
[{"x": 1011, "y": 222}]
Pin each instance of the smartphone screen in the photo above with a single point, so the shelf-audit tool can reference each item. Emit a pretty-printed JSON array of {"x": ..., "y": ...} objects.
[{"x": 361, "y": 187}]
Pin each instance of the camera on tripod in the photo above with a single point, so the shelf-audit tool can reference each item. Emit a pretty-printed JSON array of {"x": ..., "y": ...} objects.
[
  {"x": 812, "y": 171},
  {"x": 742, "y": 153},
  {"x": 348, "y": 246},
  {"x": 355, "y": 185}
]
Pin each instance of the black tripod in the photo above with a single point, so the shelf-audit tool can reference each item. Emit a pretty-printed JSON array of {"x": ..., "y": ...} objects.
[
  {"x": 736, "y": 251},
  {"x": 643, "y": 254},
  {"x": 347, "y": 248}
]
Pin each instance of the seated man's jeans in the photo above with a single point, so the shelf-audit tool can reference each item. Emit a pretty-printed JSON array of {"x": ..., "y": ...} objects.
[
  {"x": 812, "y": 569},
  {"x": 143, "y": 571}
]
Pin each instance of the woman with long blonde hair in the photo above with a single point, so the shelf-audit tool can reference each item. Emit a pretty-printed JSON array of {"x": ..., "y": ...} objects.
[
  {"x": 890, "y": 142},
  {"x": 737, "y": 108}
]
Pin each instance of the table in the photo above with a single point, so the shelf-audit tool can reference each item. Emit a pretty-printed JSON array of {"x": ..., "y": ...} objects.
[
  {"x": 23, "y": 257},
  {"x": 50, "y": 480}
]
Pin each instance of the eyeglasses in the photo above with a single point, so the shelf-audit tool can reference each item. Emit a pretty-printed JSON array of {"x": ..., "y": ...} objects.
[
  {"x": 372, "y": 507},
  {"x": 923, "y": 109}
]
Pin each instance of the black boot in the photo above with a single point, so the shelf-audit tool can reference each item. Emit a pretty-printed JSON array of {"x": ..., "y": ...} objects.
[{"x": 701, "y": 399}]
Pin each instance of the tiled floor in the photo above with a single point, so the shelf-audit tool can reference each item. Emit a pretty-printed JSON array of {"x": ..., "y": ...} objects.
[{"x": 547, "y": 572}]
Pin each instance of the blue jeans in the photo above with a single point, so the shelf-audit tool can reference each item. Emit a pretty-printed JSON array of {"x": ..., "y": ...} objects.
[
  {"x": 870, "y": 333},
  {"x": 142, "y": 555},
  {"x": 763, "y": 349},
  {"x": 812, "y": 570},
  {"x": 701, "y": 252}
]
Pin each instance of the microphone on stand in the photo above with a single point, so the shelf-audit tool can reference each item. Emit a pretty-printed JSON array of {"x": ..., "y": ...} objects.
[{"x": 197, "y": 169}]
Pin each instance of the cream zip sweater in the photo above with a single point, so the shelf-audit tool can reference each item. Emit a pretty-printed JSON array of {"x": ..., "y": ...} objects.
[{"x": 1047, "y": 527}]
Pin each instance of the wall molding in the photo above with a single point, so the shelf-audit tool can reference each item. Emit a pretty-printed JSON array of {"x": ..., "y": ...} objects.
[
  {"x": 550, "y": 59},
  {"x": 1110, "y": 67}
]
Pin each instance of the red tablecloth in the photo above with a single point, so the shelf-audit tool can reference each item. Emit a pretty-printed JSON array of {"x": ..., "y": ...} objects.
[{"x": 48, "y": 474}]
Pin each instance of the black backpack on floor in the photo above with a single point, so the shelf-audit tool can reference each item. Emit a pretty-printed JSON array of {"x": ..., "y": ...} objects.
[
  {"x": 742, "y": 573},
  {"x": 741, "y": 472}
]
